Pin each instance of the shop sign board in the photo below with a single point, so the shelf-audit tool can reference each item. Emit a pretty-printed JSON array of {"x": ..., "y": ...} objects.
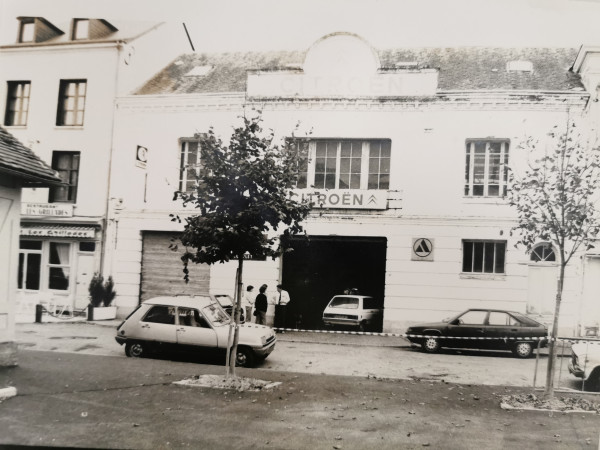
[
  {"x": 63, "y": 232},
  {"x": 47, "y": 209},
  {"x": 422, "y": 249},
  {"x": 344, "y": 198}
]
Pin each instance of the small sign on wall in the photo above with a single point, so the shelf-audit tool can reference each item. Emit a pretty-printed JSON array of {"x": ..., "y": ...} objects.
[
  {"x": 422, "y": 249},
  {"x": 141, "y": 157}
]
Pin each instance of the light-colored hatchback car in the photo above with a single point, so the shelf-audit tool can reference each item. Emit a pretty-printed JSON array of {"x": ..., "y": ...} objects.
[
  {"x": 362, "y": 311},
  {"x": 191, "y": 324},
  {"x": 585, "y": 364}
]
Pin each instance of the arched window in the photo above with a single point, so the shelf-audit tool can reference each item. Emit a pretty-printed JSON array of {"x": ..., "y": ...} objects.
[{"x": 543, "y": 252}]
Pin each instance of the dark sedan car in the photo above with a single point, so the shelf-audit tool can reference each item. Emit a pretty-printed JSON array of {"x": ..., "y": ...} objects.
[{"x": 482, "y": 329}]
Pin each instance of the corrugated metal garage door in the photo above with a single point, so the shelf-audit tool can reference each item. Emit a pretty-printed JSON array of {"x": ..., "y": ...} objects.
[{"x": 162, "y": 269}]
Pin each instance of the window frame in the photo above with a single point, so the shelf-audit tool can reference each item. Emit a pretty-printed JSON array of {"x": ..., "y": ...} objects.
[
  {"x": 23, "y": 26},
  {"x": 17, "y": 116},
  {"x": 548, "y": 253},
  {"x": 310, "y": 170},
  {"x": 73, "y": 186},
  {"x": 22, "y": 270},
  {"x": 77, "y": 111},
  {"x": 76, "y": 30},
  {"x": 474, "y": 259},
  {"x": 45, "y": 265},
  {"x": 470, "y": 164},
  {"x": 185, "y": 169}
]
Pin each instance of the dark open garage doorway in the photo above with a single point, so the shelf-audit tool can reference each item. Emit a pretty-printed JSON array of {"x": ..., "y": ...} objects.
[{"x": 323, "y": 266}]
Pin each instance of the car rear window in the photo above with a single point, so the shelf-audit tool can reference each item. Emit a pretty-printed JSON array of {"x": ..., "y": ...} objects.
[{"x": 344, "y": 302}]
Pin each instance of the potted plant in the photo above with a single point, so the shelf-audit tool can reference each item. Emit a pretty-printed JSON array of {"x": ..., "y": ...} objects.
[{"x": 102, "y": 293}]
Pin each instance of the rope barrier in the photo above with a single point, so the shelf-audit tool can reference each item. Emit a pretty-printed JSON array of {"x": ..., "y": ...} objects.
[{"x": 435, "y": 336}]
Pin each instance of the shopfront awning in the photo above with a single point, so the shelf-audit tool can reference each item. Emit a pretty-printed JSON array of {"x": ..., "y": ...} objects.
[{"x": 59, "y": 231}]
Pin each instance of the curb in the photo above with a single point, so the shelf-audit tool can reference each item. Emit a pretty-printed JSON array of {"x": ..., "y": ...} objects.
[{"x": 7, "y": 393}]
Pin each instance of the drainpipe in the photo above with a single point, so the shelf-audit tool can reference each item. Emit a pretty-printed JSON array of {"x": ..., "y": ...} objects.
[{"x": 108, "y": 210}]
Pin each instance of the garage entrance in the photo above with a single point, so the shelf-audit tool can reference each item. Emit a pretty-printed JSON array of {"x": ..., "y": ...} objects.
[
  {"x": 162, "y": 269},
  {"x": 323, "y": 266}
]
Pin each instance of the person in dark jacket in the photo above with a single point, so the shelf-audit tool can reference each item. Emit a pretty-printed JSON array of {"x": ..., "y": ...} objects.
[{"x": 261, "y": 305}]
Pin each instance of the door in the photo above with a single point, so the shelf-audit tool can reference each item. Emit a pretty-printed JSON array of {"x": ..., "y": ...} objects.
[
  {"x": 541, "y": 290},
  {"x": 590, "y": 308},
  {"x": 85, "y": 272},
  {"x": 194, "y": 333},
  {"x": 466, "y": 329},
  {"x": 157, "y": 328}
]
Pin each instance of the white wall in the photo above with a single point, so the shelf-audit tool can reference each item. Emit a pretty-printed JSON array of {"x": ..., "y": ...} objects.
[{"x": 10, "y": 209}]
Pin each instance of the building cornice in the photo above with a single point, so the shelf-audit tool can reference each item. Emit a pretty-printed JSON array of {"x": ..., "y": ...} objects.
[{"x": 461, "y": 100}]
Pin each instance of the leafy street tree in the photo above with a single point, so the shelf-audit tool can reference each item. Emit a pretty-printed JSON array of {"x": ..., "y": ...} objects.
[
  {"x": 556, "y": 200},
  {"x": 243, "y": 196}
]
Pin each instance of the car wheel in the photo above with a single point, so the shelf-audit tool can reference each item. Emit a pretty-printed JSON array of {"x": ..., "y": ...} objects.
[
  {"x": 431, "y": 345},
  {"x": 244, "y": 357},
  {"x": 523, "y": 350},
  {"x": 135, "y": 350},
  {"x": 593, "y": 382}
]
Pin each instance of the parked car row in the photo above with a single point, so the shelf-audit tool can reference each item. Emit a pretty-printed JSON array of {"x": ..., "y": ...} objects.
[{"x": 200, "y": 324}]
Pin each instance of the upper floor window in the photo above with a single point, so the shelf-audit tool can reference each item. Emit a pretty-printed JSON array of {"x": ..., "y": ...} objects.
[
  {"x": 484, "y": 256},
  {"x": 344, "y": 164},
  {"x": 485, "y": 171},
  {"x": 81, "y": 29},
  {"x": 27, "y": 30},
  {"x": 71, "y": 102},
  {"x": 17, "y": 103},
  {"x": 189, "y": 165},
  {"x": 67, "y": 166}
]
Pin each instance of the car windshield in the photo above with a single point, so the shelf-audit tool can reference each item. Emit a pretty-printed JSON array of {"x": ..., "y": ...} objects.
[
  {"x": 344, "y": 302},
  {"x": 224, "y": 300},
  {"x": 216, "y": 315}
]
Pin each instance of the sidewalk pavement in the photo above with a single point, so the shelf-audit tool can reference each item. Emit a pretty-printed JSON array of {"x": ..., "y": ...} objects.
[{"x": 80, "y": 400}]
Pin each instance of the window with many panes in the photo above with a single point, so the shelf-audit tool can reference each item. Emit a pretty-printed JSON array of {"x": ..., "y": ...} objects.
[
  {"x": 44, "y": 265},
  {"x": 189, "y": 165},
  {"x": 344, "y": 164},
  {"x": 17, "y": 103},
  {"x": 67, "y": 166},
  {"x": 483, "y": 256},
  {"x": 485, "y": 169},
  {"x": 71, "y": 102}
]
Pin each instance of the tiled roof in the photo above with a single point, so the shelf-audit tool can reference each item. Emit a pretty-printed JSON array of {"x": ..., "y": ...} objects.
[
  {"x": 463, "y": 69},
  {"x": 18, "y": 160}
]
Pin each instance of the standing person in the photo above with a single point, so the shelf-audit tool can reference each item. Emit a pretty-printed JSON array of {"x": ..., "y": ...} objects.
[
  {"x": 249, "y": 302},
  {"x": 260, "y": 306},
  {"x": 281, "y": 307}
]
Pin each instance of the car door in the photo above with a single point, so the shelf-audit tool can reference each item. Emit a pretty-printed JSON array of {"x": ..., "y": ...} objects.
[
  {"x": 157, "y": 327},
  {"x": 194, "y": 332},
  {"x": 468, "y": 329},
  {"x": 501, "y": 327}
]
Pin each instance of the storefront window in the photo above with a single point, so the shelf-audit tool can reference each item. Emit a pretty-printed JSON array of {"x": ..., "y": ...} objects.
[
  {"x": 58, "y": 266},
  {"x": 30, "y": 263}
]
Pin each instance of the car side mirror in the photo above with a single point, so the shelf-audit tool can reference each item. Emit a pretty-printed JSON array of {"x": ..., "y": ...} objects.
[{"x": 455, "y": 322}]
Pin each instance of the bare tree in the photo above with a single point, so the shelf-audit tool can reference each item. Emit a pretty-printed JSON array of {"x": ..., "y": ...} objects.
[{"x": 556, "y": 201}]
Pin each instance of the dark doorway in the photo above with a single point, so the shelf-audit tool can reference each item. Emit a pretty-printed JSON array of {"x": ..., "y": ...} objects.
[{"x": 323, "y": 266}]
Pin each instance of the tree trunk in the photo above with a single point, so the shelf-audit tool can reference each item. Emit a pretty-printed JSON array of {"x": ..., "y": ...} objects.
[
  {"x": 237, "y": 303},
  {"x": 549, "y": 392}
]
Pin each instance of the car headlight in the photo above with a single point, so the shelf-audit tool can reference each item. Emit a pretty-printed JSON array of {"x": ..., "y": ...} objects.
[{"x": 263, "y": 339}]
